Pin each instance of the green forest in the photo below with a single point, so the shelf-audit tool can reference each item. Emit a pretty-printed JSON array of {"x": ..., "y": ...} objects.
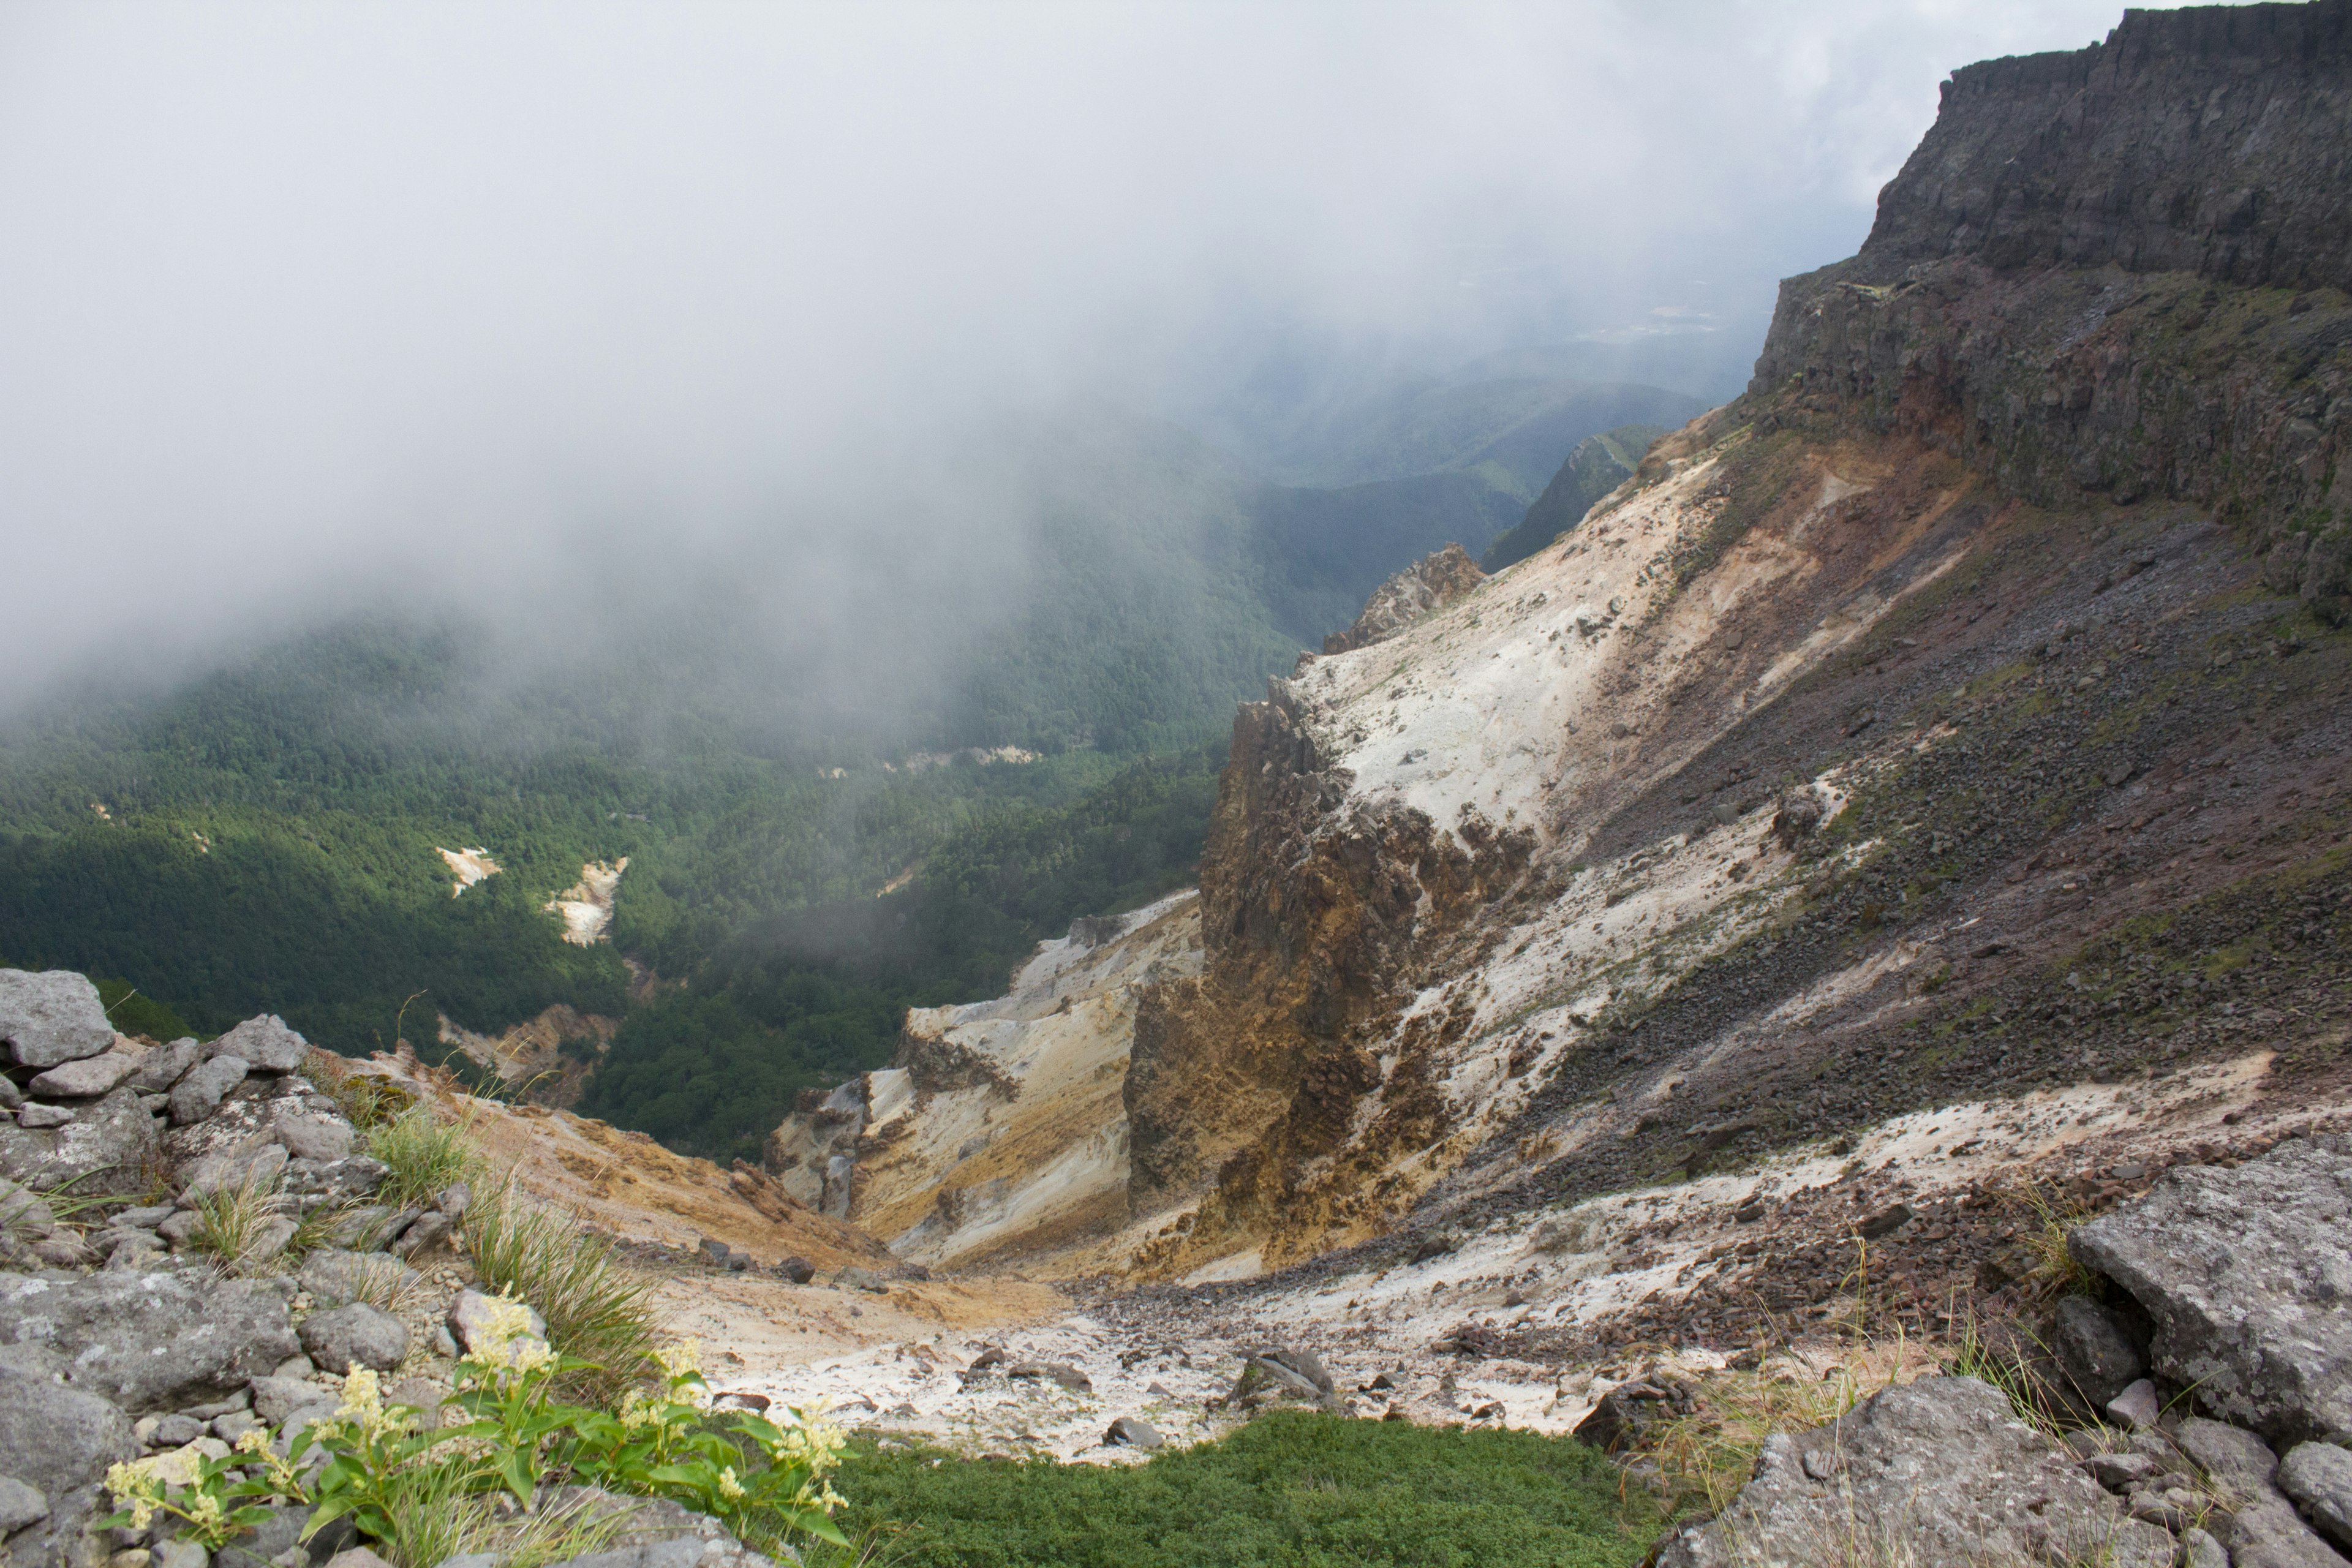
[{"x": 264, "y": 836}]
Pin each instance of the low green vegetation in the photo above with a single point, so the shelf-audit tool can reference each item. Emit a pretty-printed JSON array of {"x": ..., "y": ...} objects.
[{"x": 1295, "y": 1488}]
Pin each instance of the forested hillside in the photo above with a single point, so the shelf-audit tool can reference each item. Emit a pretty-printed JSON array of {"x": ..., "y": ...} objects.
[{"x": 805, "y": 861}]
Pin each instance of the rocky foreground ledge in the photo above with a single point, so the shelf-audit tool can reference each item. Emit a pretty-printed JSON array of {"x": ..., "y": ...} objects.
[
  {"x": 2188, "y": 1406},
  {"x": 132, "y": 1343}
]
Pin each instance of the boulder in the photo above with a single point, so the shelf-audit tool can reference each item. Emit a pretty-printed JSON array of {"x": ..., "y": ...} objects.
[
  {"x": 20, "y": 1505},
  {"x": 276, "y": 1399},
  {"x": 429, "y": 1229},
  {"x": 1059, "y": 1372},
  {"x": 111, "y": 1135},
  {"x": 797, "y": 1270},
  {"x": 1134, "y": 1432},
  {"x": 1934, "y": 1473},
  {"x": 334, "y": 1277},
  {"x": 311, "y": 1135},
  {"x": 57, "y": 1443},
  {"x": 164, "y": 1065},
  {"x": 268, "y": 1542},
  {"x": 2318, "y": 1477},
  {"x": 41, "y": 1118},
  {"x": 263, "y": 1043},
  {"x": 1625, "y": 1415},
  {"x": 2245, "y": 1274},
  {"x": 87, "y": 1077},
  {"x": 354, "y": 1179},
  {"x": 149, "y": 1342},
  {"x": 232, "y": 1170},
  {"x": 22, "y": 1213},
  {"x": 51, "y": 1018},
  {"x": 198, "y": 1094},
  {"x": 356, "y": 1332},
  {"x": 1275, "y": 1374},
  {"x": 856, "y": 1279}
]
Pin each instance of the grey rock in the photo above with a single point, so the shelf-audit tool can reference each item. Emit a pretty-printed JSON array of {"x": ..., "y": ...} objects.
[
  {"x": 146, "y": 1218},
  {"x": 20, "y": 1505},
  {"x": 2318, "y": 1477},
  {"x": 470, "y": 1315},
  {"x": 454, "y": 1200},
  {"x": 173, "y": 1431},
  {"x": 2121, "y": 1472},
  {"x": 275, "y": 1399},
  {"x": 2096, "y": 1350},
  {"x": 1941, "y": 1466},
  {"x": 2200, "y": 1549},
  {"x": 108, "y": 1136},
  {"x": 651, "y": 1533},
  {"x": 10, "y": 1097},
  {"x": 1134, "y": 1432},
  {"x": 241, "y": 1400},
  {"x": 856, "y": 1279},
  {"x": 713, "y": 1251},
  {"x": 268, "y": 1543},
  {"x": 739, "y": 1263},
  {"x": 87, "y": 1077},
  {"x": 2245, "y": 1275},
  {"x": 1623, "y": 1416},
  {"x": 471, "y": 1559},
  {"x": 1276, "y": 1375},
  {"x": 444, "y": 1342},
  {"x": 58, "y": 1442},
  {"x": 349, "y": 1180},
  {"x": 228, "y": 1428},
  {"x": 38, "y": 1117},
  {"x": 431, "y": 1228},
  {"x": 311, "y": 1135},
  {"x": 270, "y": 1238},
  {"x": 357, "y": 1333},
  {"x": 265, "y": 1044},
  {"x": 2264, "y": 1532},
  {"x": 360, "y": 1557},
  {"x": 180, "y": 1553},
  {"x": 163, "y": 1066},
  {"x": 199, "y": 1092},
  {"x": 180, "y": 1228},
  {"x": 1059, "y": 1372},
  {"x": 2268, "y": 1533},
  {"x": 297, "y": 1367},
  {"x": 149, "y": 1342},
  {"x": 2136, "y": 1408},
  {"x": 51, "y": 1018},
  {"x": 232, "y": 1170},
  {"x": 22, "y": 1214},
  {"x": 333, "y": 1276},
  {"x": 136, "y": 1251}
]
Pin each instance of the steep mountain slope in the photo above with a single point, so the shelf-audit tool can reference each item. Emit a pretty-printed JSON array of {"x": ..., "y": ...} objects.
[
  {"x": 1599, "y": 465},
  {"x": 1925, "y": 775}
]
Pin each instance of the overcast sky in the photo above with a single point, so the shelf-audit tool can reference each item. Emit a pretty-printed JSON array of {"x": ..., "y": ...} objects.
[{"x": 297, "y": 296}]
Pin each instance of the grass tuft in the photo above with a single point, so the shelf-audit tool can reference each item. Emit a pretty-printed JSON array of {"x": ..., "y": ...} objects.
[
  {"x": 238, "y": 1226},
  {"x": 595, "y": 1309},
  {"x": 421, "y": 1156}
]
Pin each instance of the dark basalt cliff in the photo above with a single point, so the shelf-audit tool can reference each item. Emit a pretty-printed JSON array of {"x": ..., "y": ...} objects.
[{"x": 2120, "y": 272}]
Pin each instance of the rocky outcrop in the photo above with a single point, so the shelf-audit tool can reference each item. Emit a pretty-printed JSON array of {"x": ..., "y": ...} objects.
[
  {"x": 2246, "y": 1274},
  {"x": 52, "y": 1018},
  {"x": 1429, "y": 584},
  {"x": 1932, "y": 1473}
]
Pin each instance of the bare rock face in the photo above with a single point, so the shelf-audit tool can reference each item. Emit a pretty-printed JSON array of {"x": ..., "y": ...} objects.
[
  {"x": 2246, "y": 1276},
  {"x": 1941, "y": 1470},
  {"x": 115, "y": 1134},
  {"x": 52, "y": 1018},
  {"x": 1427, "y": 585},
  {"x": 264, "y": 1044},
  {"x": 150, "y": 1342},
  {"x": 56, "y": 1444}
]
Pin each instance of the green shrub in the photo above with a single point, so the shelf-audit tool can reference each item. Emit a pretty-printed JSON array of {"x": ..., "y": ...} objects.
[{"x": 1295, "y": 1488}]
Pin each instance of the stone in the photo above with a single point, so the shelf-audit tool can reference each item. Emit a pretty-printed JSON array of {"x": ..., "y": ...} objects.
[
  {"x": 22, "y": 1213},
  {"x": 265, "y": 1044},
  {"x": 470, "y": 1315},
  {"x": 739, "y": 1263},
  {"x": 2121, "y": 1472},
  {"x": 1939, "y": 1469},
  {"x": 180, "y": 1553},
  {"x": 163, "y": 1066},
  {"x": 799, "y": 1270},
  {"x": 10, "y": 1097},
  {"x": 2200, "y": 1549},
  {"x": 1622, "y": 1418},
  {"x": 301, "y": 1366},
  {"x": 454, "y": 1200},
  {"x": 1276, "y": 1374},
  {"x": 57, "y": 1441},
  {"x": 113, "y": 1136},
  {"x": 309, "y": 1135},
  {"x": 270, "y": 1238},
  {"x": 2136, "y": 1408},
  {"x": 2096, "y": 1350},
  {"x": 198, "y": 1094},
  {"x": 20, "y": 1505},
  {"x": 856, "y": 1279},
  {"x": 276, "y": 1399},
  {"x": 38, "y": 1117},
  {"x": 2245, "y": 1274},
  {"x": 2318, "y": 1477},
  {"x": 2241, "y": 1461},
  {"x": 713, "y": 1251},
  {"x": 1059, "y": 1372},
  {"x": 174, "y": 1432},
  {"x": 357, "y": 1333},
  {"x": 180, "y": 1228},
  {"x": 1134, "y": 1432},
  {"x": 51, "y": 1018},
  {"x": 228, "y": 1428},
  {"x": 354, "y": 1179},
  {"x": 231, "y": 1170},
  {"x": 146, "y": 1218},
  {"x": 430, "y": 1229},
  {"x": 275, "y": 1539},
  {"x": 360, "y": 1557},
  {"x": 86, "y": 1079},
  {"x": 650, "y": 1532},
  {"x": 150, "y": 1342},
  {"x": 333, "y": 1277}
]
